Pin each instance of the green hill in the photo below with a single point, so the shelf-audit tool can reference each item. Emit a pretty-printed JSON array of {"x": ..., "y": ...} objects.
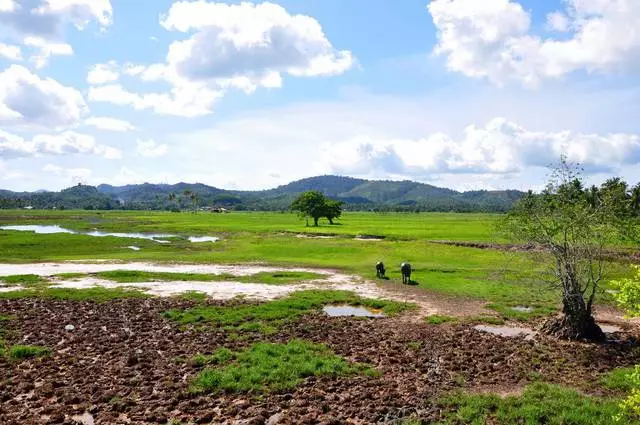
[{"x": 358, "y": 194}]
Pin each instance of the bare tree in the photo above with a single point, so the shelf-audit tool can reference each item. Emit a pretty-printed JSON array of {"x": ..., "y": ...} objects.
[{"x": 574, "y": 229}]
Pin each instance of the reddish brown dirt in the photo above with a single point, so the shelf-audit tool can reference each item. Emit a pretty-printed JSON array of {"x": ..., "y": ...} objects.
[{"x": 120, "y": 366}]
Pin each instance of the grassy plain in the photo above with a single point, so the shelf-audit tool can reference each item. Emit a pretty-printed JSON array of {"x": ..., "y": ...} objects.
[{"x": 504, "y": 279}]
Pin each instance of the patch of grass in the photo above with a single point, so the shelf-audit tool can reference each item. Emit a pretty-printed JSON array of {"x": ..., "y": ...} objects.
[
  {"x": 281, "y": 277},
  {"x": 136, "y": 276},
  {"x": 270, "y": 278},
  {"x": 194, "y": 296},
  {"x": 539, "y": 404},
  {"x": 267, "y": 367},
  {"x": 96, "y": 294},
  {"x": 267, "y": 316},
  {"x": 507, "y": 311},
  {"x": 438, "y": 319},
  {"x": 20, "y": 352},
  {"x": 22, "y": 279},
  {"x": 222, "y": 355},
  {"x": 485, "y": 320},
  {"x": 620, "y": 379}
]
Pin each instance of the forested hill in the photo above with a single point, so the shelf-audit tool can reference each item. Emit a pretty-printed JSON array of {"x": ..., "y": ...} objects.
[{"x": 358, "y": 194}]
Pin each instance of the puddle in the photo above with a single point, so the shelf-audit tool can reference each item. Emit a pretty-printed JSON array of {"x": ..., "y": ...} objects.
[
  {"x": 198, "y": 239},
  {"x": 156, "y": 237},
  {"x": 373, "y": 238},
  {"x": 311, "y": 236},
  {"x": 506, "y": 331},
  {"x": 348, "y": 311},
  {"x": 10, "y": 288},
  {"x": 522, "y": 309},
  {"x": 609, "y": 329}
]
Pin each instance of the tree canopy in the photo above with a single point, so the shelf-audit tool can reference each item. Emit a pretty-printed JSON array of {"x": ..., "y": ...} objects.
[{"x": 316, "y": 205}]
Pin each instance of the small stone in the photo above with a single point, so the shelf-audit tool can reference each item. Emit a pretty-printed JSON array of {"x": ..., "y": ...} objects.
[
  {"x": 275, "y": 419},
  {"x": 69, "y": 328}
]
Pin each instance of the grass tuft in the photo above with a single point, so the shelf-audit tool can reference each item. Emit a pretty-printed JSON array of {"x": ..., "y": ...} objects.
[
  {"x": 437, "y": 319},
  {"x": 22, "y": 279},
  {"x": 19, "y": 352},
  {"x": 620, "y": 379},
  {"x": 539, "y": 404},
  {"x": 265, "y": 317},
  {"x": 267, "y": 367}
]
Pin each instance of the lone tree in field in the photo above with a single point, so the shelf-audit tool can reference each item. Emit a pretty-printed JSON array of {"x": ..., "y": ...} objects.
[
  {"x": 574, "y": 225},
  {"x": 315, "y": 205}
]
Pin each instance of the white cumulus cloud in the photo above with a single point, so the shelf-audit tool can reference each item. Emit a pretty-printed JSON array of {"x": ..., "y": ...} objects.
[
  {"x": 65, "y": 143},
  {"x": 10, "y": 52},
  {"x": 243, "y": 46},
  {"x": 103, "y": 73},
  {"x": 109, "y": 124},
  {"x": 27, "y": 99},
  {"x": 40, "y": 24},
  {"x": 494, "y": 39},
  {"x": 151, "y": 149},
  {"x": 499, "y": 147}
]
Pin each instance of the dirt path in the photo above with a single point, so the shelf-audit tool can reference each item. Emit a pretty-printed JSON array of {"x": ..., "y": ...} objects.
[{"x": 428, "y": 303}]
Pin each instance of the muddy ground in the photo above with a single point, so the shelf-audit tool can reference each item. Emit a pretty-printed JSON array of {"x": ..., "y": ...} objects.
[{"x": 120, "y": 366}]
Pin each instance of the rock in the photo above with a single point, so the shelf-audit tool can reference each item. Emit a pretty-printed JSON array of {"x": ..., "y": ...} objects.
[
  {"x": 275, "y": 419},
  {"x": 69, "y": 328}
]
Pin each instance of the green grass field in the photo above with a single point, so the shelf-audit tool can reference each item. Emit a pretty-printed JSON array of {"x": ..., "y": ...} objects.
[{"x": 504, "y": 279}]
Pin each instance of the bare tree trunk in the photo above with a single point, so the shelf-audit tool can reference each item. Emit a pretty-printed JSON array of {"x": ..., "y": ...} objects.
[{"x": 576, "y": 321}]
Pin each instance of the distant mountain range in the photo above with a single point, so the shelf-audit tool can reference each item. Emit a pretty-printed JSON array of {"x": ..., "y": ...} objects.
[{"x": 358, "y": 194}]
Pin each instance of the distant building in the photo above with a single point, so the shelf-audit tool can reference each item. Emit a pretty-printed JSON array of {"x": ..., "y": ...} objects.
[{"x": 29, "y": 207}]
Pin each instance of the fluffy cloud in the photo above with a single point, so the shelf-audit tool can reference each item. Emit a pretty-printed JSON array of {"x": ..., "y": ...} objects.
[
  {"x": 242, "y": 46},
  {"x": 39, "y": 24},
  {"x": 109, "y": 124},
  {"x": 150, "y": 149},
  {"x": 248, "y": 40},
  {"x": 493, "y": 39},
  {"x": 186, "y": 101},
  {"x": 499, "y": 147},
  {"x": 66, "y": 143},
  {"x": 26, "y": 99},
  {"x": 103, "y": 73},
  {"x": 10, "y": 52}
]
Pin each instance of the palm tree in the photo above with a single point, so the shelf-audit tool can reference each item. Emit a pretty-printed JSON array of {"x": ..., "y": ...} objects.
[{"x": 194, "y": 201}]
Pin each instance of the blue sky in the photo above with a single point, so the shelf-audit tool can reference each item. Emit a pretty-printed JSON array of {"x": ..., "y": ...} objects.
[{"x": 250, "y": 95}]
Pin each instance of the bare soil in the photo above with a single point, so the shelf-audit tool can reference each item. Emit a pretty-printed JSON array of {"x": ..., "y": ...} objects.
[{"x": 122, "y": 365}]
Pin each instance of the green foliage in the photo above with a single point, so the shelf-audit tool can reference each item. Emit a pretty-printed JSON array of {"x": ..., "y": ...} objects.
[
  {"x": 485, "y": 319},
  {"x": 539, "y": 404},
  {"x": 271, "y": 367},
  {"x": 629, "y": 296},
  {"x": 266, "y": 316},
  {"x": 19, "y": 352},
  {"x": 315, "y": 205}
]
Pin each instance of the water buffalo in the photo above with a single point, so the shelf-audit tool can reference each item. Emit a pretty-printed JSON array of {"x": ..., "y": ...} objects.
[
  {"x": 380, "y": 270},
  {"x": 405, "y": 269}
]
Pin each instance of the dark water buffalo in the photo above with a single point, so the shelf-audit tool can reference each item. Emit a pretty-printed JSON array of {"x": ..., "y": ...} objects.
[
  {"x": 405, "y": 269},
  {"x": 380, "y": 270}
]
